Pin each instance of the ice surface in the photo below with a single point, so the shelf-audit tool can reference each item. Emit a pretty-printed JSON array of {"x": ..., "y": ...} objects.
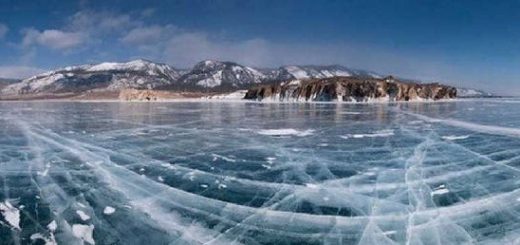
[{"x": 249, "y": 173}]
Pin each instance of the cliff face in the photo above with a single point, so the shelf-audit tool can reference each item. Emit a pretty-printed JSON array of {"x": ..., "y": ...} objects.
[{"x": 351, "y": 89}]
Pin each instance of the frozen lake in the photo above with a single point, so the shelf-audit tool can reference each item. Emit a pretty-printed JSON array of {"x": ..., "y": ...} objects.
[{"x": 252, "y": 173}]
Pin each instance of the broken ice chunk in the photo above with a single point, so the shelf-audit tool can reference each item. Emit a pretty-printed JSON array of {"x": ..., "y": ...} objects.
[
  {"x": 84, "y": 232},
  {"x": 82, "y": 215},
  {"x": 52, "y": 226},
  {"x": 440, "y": 190},
  {"x": 10, "y": 214},
  {"x": 109, "y": 210}
]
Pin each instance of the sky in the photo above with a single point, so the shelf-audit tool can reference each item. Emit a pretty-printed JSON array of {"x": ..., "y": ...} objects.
[{"x": 472, "y": 44}]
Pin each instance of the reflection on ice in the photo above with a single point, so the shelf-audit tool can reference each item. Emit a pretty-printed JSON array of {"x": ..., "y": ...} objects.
[{"x": 218, "y": 173}]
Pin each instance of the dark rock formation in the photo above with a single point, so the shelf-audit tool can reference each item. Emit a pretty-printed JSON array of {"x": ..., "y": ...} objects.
[{"x": 351, "y": 89}]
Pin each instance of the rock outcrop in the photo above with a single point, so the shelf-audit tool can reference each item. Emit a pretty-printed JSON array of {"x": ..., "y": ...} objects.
[{"x": 351, "y": 89}]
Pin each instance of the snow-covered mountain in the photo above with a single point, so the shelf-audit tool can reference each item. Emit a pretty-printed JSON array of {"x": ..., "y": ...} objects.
[
  {"x": 311, "y": 71},
  {"x": 139, "y": 74},
  {"x": 208, "y": 75},
  {"x": 218, "y": 75},
  {"x": 205, "y": 76},
  {"x": 472, "y": 93}
]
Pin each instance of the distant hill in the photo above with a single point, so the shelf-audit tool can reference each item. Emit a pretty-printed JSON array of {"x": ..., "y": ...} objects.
[{"x": 473, "y": 93}]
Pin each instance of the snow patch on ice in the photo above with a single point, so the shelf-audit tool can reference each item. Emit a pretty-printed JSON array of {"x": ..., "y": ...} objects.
[
  {"x": 109, "y": 210},
  {"x": 312, "y": 186},
  {"x": 82, "y": 215},
  {"x": 379, "y": 133},
  {"x": 52, "y": 226},
  {"x": 286, "y": 132},
  {"x": 455, "y": 137},
  {"x": 352, "y": 113},
  {"x": 45, "y": 170},
  {"x": 270, "y": 160},
  {"x": 10, "y": 214},
  {"x": 227, "y": 159},
  {"x": 48, "y": 240},
  {"x": 84, "y": 232},
  {"x": 440, "y": 190}
]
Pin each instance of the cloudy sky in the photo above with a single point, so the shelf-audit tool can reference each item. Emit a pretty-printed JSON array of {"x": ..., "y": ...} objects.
[{"x": 464, "y": 43}]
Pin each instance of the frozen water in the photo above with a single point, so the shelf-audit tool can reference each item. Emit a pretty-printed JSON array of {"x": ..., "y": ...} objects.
[{"x": 252, "y": 173}]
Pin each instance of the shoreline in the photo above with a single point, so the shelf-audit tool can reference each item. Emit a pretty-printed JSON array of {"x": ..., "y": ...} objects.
[{"x": 205, "y": 100}]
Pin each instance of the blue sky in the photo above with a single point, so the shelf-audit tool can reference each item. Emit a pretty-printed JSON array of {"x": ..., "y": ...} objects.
[{"x": 464, "y": 43}]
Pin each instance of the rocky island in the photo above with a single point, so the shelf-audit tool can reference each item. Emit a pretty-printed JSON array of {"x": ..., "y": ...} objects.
[{"x": 351, "y": 89}]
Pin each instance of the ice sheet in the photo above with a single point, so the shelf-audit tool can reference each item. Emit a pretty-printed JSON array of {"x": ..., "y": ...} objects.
[{"x": 230, "y": 173}]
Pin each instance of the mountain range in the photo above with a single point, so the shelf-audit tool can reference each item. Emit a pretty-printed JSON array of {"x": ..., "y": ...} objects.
[{"x": 205, "y": 76}]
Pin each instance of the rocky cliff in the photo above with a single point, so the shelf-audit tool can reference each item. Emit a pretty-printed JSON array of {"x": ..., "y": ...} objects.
[{"x": 350, "y": 89}]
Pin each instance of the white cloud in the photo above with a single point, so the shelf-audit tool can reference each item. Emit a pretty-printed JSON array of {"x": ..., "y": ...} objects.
[
  {"x": 188, "y": 48},
  {"x": 84, "y": 28},
  {"x": 19, "y": 72},
  {"x": 100, "y": 23},
  {"x": 3, "y": 30},
  {"x": 54, "y": 39},
  {"x": 148, "y": 35},
  {"x": 148, "y": 12}
]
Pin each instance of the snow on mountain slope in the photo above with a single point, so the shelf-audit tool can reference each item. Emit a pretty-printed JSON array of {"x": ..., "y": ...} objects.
[
  {"x": 212, "y": 74},
  {"x": 111, "y": 76},
  {"x": 6, "y": 82},
  {"x": 309, "y": 71},
  {"x": 467, "y": 92},
  {"x": 205, "y": 76}
]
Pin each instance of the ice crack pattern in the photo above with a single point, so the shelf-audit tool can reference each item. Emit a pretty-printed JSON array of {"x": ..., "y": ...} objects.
[{"x": 250, "y": 173}]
